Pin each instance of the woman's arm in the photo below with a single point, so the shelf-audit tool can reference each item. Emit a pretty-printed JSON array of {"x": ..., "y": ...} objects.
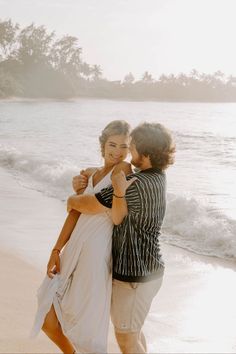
[{"x": 53, "y": 266}]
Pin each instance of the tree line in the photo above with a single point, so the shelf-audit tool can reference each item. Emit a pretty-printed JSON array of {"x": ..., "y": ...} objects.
[{"x": 37, "y": 64}]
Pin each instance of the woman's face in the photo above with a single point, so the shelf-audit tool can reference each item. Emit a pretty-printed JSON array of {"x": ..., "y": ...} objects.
[{"x": 116, "y": 149}]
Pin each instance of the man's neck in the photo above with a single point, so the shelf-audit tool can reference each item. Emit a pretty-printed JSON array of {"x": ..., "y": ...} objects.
[{"x": 145, "y": 163}]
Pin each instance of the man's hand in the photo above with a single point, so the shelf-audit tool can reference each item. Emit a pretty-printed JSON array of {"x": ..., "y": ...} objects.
[
  {"x": 80, "y": 182},
  {"x": 53, "y": 266},
  {"x": 120, "y": 184}
]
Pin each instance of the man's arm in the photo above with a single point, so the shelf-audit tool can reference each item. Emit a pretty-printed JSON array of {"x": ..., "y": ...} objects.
[
  {"x": 89, "y": 204},
  {"x": 119, "y": 204},
  {"x": 85, "y": 204}
]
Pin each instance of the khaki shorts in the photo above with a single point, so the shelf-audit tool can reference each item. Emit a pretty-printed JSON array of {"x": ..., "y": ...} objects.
[{"x": 131, "y": 303}]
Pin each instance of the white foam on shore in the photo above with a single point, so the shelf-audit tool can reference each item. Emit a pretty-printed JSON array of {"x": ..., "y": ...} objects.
[
  {"x": 51, "y": 177},
  {"x": 189, "y": 223}
]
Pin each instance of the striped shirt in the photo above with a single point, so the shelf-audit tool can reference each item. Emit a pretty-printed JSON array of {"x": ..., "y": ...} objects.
[{"x": 135, "y": 242}]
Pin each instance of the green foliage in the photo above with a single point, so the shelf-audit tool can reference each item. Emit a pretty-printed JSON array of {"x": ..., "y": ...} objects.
[
  {"x": 35, "y": 63},
  {"x": 65, "y": 56},
  {"x": 128, "y": 79},
  {"x": 8, "y": 41},
  {"x": 8, "y": 85},
  {"x": 34, "y": 45}
]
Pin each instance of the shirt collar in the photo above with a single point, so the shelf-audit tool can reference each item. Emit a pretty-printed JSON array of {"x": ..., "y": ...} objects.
[{"x": 152, "y": 169}]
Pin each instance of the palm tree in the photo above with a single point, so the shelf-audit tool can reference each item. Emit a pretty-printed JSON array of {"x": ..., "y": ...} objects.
[
  {"x": 85, "y": 69},
  {"x": 129, "y": 78},
  {"x": 147, "y": 78},
  {"x": 96, "y": 71},
  {"x": 183, "y": 79},
  {"x": 195, "y": 74},
  {"x": 8, "y": 38},
  {"x": 219, "y": 76},
  {"x": 66, "y": 55},
  {"x": 163, "y": 79},
  {"x": 231, "y": 81},
  {"x": 34, "y": 45}
]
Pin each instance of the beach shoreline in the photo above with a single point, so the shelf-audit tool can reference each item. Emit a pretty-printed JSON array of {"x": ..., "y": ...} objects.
[
  {"x": 18, "y": 304},
  {"x": 193, "y": 313}
]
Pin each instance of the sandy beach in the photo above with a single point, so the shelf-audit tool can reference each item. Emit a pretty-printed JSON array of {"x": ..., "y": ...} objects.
[{"x": 193, "y": 313}]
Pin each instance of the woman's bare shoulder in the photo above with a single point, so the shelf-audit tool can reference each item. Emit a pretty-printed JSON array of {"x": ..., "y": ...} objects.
[
  {"x": 88, "y": 171},
  {"x": 123, "y": 166}
]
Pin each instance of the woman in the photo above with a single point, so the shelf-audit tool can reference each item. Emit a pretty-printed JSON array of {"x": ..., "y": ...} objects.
[{"x": 74, "y": 305}]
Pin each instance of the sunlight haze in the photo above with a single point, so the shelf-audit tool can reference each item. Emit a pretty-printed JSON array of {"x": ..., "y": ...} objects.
[{"x": 159, "y": 36}]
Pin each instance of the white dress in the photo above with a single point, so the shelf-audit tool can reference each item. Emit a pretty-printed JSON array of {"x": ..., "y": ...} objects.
[{"x": 81, "y": 293}]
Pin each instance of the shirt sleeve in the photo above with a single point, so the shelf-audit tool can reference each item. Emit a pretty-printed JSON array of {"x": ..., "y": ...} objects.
[
  {"x": 133, "y": 197},
  {"x": 105, "y": 196}
]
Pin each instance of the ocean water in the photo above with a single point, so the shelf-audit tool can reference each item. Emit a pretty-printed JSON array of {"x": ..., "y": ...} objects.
[{"x": 43, "y": 144}]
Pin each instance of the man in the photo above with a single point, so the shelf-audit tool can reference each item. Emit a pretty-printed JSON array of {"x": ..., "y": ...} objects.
[{"x": 138, "y": 207}]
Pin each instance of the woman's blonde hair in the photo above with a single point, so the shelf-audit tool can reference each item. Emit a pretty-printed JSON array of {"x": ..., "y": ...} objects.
[{"x": 116, "y": 127}]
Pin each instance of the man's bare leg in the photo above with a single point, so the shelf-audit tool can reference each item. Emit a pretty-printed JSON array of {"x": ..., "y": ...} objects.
[
  {"x": 52, "y": 329},
  {"x": 131, "y": 343}
]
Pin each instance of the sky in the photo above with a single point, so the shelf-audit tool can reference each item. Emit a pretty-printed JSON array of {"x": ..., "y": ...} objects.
[{"x": 122, "y": 36}]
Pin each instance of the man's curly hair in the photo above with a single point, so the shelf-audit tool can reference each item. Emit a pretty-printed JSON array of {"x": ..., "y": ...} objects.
[{"x": 155, "y": 141}]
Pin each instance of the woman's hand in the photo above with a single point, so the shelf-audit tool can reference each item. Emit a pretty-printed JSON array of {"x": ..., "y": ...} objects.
[
  {"x": 53, "y": 266},
  {"x": 80, "y": 182}
]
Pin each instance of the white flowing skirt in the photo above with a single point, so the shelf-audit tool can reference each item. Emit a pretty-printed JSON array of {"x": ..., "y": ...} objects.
[{"x": 81, "y": 293}]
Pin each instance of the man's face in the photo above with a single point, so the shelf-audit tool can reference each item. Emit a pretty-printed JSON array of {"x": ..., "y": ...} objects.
[{"x": 136, "y": 158}]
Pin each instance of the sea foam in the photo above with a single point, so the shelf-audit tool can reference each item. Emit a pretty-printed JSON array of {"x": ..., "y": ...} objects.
[
  {"x": 189, "y": 223},
  {"x": 50, "y": 176}
]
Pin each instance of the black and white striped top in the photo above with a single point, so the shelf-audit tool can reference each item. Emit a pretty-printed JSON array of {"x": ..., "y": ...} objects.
[{"x": 135, "y": 242}]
